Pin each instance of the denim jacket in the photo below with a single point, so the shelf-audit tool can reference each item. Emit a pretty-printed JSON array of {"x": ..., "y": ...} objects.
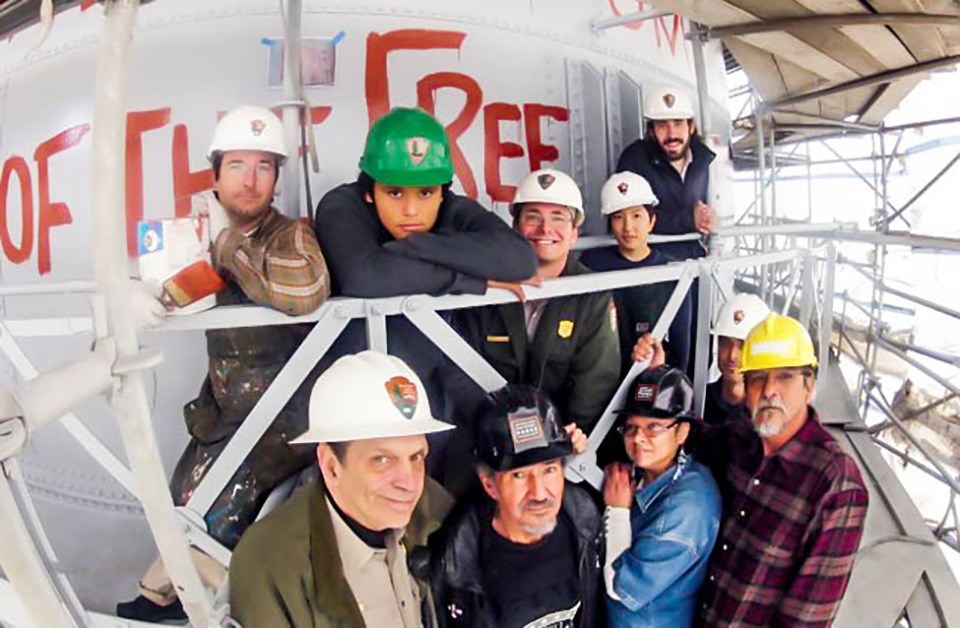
[{"x": 674, "y": 523}]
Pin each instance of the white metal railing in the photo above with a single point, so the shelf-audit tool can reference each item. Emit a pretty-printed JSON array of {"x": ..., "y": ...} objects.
[{"x": 810, "y": 275}]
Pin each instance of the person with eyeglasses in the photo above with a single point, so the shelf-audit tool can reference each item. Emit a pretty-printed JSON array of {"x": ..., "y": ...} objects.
[
  {"x": 786, "y": 481},
  {"x": 566, "y": 347},
  {"x": 662, "y": 509}
]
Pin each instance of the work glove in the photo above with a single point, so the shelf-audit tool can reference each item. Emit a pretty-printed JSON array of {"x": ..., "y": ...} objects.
[
  {"x": 143, "y": 301},
  {"x": 207, "y": 205}
]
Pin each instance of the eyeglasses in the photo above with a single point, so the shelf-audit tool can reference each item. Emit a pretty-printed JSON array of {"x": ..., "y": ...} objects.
[
  {"x": 535, "y": 219},
  {"x": 650, "y": 430}
]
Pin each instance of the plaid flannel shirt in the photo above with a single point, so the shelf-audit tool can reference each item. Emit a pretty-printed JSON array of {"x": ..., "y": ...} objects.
[
  {"x": 792, "y": 526},
  {"x": 279, "y": 265}
]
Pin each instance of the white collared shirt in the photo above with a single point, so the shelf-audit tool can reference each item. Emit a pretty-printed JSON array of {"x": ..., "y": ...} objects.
[{"x": 383, "y": 587}]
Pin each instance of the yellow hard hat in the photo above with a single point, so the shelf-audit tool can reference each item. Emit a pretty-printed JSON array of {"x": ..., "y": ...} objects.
[{"x": 777, "y": 342}]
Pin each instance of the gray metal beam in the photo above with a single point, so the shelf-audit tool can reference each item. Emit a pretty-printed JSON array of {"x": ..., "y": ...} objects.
[
  {"x": 824, "y": 21},
  {"x": 874, "y": 79},
  {"x": 629, "y": 18}
]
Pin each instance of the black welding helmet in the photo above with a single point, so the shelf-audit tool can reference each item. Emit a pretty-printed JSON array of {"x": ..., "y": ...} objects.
[
  {"x": 517, "y": 427},
  {"x": 660, "y": 393}
]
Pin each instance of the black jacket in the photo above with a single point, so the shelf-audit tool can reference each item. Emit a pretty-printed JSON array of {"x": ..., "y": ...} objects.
[
  {"x": 574, "y": 357},
  {"x": 467, "y": 246},
  {"x": 456, "y": 572},
  {"x": 677, "y": 196}
]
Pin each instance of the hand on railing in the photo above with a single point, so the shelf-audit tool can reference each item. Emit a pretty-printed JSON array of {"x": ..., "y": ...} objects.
[
  {"x": 704, "y": 217},
  {"x": 516, "y": 287},
  {"x": 579, "y": 439},
  {"x": 649, "y": 348}
]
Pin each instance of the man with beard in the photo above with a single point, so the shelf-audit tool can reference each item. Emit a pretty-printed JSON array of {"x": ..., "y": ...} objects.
[
  {"x": 527, "y": 552},
  {"x": 266, "y": 259},
  {"x": 725, "y": 399},
  {"x": 676, "y": 162},
  {"x": 785, "y": 482}
]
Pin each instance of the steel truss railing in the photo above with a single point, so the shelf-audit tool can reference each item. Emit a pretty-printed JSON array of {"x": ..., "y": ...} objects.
[
  {"x": 870, "y": 395},
  {"x": 422, "y": 311},
  {"x": 803, "y": 284}
]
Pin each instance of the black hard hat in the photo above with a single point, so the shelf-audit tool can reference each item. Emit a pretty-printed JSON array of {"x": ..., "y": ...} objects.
[
  {"x": 519, "y": 426},
  {"x": 662, "y": 393}
]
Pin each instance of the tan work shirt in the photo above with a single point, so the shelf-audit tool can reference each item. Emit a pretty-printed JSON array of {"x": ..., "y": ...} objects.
[{"x": 379, "y": 579}]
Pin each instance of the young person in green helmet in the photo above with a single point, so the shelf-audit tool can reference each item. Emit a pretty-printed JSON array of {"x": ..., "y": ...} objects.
[{"x": 399, "y": 229}]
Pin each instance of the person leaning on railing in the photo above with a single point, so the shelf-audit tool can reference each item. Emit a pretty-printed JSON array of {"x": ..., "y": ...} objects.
[
  {"x": 567, "y": 346},
  {"x": 267, "y": 259},
  {"x": 399, "y": 230}
]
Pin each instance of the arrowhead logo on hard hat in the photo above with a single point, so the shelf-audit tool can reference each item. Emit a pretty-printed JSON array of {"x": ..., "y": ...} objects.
[
  {"x": 403, "y": 394},
  {"x": 668, "y": 100},
  {"x": 257, "y": 126},
  {"x": 417, "y": 149},
  {"x": 545, "y": 180},
  {"x": 738, "y": 316},
  {"x": 622, "y": 188}
]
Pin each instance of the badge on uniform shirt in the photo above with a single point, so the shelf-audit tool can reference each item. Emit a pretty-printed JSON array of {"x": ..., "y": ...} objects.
[
  {"x": 403, "y": 394},
  {"x": 500, "y": 339},
  {"x": 565, "y": 329}
]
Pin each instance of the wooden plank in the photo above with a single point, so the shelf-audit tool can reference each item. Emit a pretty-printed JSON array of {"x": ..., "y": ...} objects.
[
  {"x": 890, "y": 98},
  {"x": 924, "y": 43},
  {"x": 760, "y": 67},
  {"x": 829, "y": 41},
  {"x": 880, "y": 43},
  {"x": 802, "y": 54}
]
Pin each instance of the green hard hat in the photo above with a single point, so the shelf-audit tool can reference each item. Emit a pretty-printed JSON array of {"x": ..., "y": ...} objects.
[{"x": 407, "y": 147}]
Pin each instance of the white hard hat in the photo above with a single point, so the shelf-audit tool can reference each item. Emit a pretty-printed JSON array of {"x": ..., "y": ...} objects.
[
  {"x": 368, "y": 395},
  {"x": 739, "y": 315},
  {"x": 623, "y": 190},
  {"x": 667, "y": 103},
  {"x": 249, "y": 128},
  {"x": 550, "y": 186}
]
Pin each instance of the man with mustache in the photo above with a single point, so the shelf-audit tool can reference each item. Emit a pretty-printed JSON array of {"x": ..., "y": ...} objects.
[
  {"x": 527, "y": 552},
  {"x": 676, "y": 162},
  {"x": 794, "y": 502},
  {"x": 726, "y": 397}
]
